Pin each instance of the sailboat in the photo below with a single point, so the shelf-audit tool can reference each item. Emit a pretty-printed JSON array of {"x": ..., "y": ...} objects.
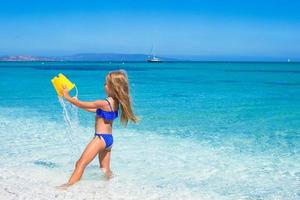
[{"x": 153, "y": 58}]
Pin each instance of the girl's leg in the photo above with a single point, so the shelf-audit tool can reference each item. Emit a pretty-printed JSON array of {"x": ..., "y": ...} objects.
[
  {"x": 104, "y": 161},
  {"x": 91, "y": 150}
]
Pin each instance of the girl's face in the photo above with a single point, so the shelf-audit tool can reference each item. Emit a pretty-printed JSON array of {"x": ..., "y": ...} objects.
[{"x": 106, "y": 88}]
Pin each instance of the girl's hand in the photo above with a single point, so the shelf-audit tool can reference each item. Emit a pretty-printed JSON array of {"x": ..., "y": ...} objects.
[{"x": 67, "y": 95}]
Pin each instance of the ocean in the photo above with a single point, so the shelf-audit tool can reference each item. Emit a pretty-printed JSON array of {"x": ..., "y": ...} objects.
[{"x": 208, "y": 130}]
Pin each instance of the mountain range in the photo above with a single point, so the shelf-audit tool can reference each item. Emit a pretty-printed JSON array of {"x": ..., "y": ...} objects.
[{"x": 85, "y": 57}]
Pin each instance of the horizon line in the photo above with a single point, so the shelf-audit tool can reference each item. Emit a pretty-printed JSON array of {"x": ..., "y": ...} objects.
[{"x": 168, "y": 58}]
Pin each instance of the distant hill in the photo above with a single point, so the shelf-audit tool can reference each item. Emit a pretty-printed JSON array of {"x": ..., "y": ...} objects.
[
  {"x": 85, "y": 57},
  {"x": 26, "y": 58},
  {"x": 105, "y": 57},
  {"x": 117, "y": 57}
]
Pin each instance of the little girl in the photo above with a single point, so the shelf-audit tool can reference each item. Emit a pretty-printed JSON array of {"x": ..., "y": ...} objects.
[{"x": 117, "y": 91}]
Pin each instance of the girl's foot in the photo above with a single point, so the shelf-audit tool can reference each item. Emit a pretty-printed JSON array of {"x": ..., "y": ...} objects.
[
  {"x": 63, "y": 186},
  {"x": 107, "y": 173}
]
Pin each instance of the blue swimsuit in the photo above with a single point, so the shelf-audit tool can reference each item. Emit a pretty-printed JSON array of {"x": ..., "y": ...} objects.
[{"x": 109, "y": 116}]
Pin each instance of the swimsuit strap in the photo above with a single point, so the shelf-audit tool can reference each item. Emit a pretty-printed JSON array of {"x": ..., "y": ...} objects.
[{"x": 109, "y": 104}]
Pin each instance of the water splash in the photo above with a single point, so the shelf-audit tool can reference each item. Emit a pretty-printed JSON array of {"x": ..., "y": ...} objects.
[{"x": 70, "y": 114}]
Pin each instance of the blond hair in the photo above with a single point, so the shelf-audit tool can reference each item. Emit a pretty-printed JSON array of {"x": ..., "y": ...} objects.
[{"x": 118, "y": 85}]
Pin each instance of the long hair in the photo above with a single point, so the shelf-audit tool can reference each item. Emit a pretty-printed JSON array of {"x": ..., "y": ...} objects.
[{"x": 118, "y": 85}]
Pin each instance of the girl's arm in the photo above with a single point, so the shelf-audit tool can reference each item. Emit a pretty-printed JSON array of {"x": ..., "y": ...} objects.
[
  {"x": 87, "y": 105},
  {"x": 90, "y": 109}
]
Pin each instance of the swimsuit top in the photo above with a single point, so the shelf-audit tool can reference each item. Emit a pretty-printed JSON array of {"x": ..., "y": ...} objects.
[{"x": 107, "y": 115}]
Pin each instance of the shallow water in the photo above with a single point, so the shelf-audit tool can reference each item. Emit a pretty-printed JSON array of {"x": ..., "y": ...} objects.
[{"x": 207, "y": 131}]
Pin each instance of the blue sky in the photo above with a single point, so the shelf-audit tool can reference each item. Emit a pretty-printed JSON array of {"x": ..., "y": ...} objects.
[{"x": 198, "y": 29}]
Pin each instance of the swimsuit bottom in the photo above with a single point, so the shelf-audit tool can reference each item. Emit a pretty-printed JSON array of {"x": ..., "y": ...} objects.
[{"x": 107, "y": 138}]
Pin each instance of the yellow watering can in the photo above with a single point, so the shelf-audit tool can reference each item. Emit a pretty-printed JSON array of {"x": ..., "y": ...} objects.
[{"x": 59, "y": 81}]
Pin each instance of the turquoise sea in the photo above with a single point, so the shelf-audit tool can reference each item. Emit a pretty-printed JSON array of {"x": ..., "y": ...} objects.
[{"x": 207, "y": 131}]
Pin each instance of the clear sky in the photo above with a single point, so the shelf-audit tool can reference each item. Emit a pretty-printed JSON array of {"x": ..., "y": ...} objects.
[{"x": 205, "y": 29}]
